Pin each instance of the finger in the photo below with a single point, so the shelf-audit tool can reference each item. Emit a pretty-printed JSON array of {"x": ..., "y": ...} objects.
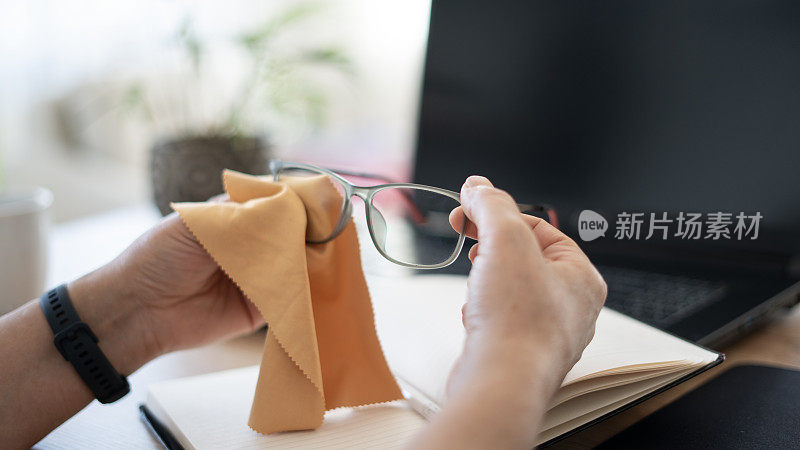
[
  {"x": 496, "y": 216},
  {"x": 220, "y": 198},
  {"x": 256, "y": 319},
  {"x": 555, "y": 244},
  {"x": 473, "y": 252},
  {"x": 457, "y": 222}
]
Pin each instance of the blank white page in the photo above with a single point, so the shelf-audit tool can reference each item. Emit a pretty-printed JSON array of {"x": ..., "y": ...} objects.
[
  {"x": 418, "y": 320},
  {"x": 211, "y": 412}
]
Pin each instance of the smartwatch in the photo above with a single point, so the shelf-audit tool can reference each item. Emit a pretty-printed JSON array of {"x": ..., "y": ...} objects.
[{"x": 78, "y": 345}]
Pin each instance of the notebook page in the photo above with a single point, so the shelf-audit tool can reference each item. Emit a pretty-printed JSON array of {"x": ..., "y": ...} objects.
[
  {"x": 623, "y": 344},
  {"x": 562, "y": 428},
  {"x": 211, "y": 411},
  {"x": 585, "y": 404},
  {"x": 419, "y": 325},
  {"x": 573, "y": 390},
  {"x": 418, "y": 320}
]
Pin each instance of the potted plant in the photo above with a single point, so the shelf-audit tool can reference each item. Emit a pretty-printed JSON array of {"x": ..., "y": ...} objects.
[{"x": 185, "y": 164}]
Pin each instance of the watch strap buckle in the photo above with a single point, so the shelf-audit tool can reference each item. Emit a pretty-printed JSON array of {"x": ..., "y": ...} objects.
[{"x": 70, "y": 334}]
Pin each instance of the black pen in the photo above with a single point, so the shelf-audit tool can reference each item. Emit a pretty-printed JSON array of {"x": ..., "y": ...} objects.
[{"x": 158, "y": 429}]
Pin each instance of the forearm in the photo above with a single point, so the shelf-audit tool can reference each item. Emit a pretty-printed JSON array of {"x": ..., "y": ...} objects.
[
  {"x": 39, "y": 389},
  {"x": 501, "y": 406}
]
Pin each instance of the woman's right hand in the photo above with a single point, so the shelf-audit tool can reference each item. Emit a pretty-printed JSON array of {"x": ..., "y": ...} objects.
[
  {"x": 530, "y": 284},
  {"x": 532, "y": 303}
]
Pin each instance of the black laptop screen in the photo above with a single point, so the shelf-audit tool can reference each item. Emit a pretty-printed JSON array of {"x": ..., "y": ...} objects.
[{"x": 614, "y": 106}]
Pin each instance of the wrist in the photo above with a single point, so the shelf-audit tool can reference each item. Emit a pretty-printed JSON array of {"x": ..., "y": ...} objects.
[
  {"x": 105, "y": 303},
  {"x": 523, "y": 347},
  {"x": 522, "y": 370},
  {"x": 518, "y": 357},
  {"x": 500, "y": 395}
]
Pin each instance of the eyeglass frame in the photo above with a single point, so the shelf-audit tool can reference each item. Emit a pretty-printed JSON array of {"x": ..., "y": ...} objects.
[{"x": 367, "y": 194}]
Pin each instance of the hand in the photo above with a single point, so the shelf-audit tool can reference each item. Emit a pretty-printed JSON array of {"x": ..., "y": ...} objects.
[
  {"x": 530, "y": 284},
  {"x": 532, "y": 302},
  {"x": 163, "y": 293}
]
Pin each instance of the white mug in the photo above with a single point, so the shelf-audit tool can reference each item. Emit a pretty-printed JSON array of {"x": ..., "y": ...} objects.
[{"x": 24, "y": 229}]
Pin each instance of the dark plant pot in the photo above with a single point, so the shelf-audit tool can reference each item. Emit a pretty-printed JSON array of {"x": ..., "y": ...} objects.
[{"x": 190, "y": 169}]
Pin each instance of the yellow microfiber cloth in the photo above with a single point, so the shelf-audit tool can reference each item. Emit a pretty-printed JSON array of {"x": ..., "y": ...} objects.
[{"x": 321, "y": 351}]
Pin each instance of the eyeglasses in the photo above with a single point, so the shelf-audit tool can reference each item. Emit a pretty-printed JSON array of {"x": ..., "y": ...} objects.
[{"x": 408, "y": 223}]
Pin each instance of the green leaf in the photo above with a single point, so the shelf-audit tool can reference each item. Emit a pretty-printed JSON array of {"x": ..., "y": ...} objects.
[
  {"x": 133, "y": 97},
  {"x": 187, "y": 37},
  {"x": 263, "y": 35},
  {"x": 333, "y": 57},
  {"x": 294, "y": 14}
]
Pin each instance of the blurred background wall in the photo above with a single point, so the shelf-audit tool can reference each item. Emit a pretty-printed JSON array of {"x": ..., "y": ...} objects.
[{"x": 67, "y": 68}]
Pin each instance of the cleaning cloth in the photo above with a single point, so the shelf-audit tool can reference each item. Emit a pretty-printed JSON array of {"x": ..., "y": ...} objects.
[{"x": 321, "y": 350}]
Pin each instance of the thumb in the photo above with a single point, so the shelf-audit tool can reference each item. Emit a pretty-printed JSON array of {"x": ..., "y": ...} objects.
[{"x": 496, "y": 216}]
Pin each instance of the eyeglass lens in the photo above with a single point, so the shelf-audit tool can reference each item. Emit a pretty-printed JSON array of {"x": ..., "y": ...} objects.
[{"x": 409, "y": 225}]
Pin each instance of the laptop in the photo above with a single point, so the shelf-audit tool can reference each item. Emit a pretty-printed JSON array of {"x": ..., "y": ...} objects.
[{"x": 620, "y": 113}]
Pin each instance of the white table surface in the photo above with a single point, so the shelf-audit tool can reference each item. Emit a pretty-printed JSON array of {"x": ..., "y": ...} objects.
[{"x": 82, "y": 245}]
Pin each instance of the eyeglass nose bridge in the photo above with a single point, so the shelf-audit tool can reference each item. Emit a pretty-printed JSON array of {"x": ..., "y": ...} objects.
[
  {"x": 376, "y": 223},
  {"x": 364, "y": 193}
]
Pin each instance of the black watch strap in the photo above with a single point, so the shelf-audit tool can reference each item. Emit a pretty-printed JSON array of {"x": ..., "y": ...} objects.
[{"x": 76, "y": 342}]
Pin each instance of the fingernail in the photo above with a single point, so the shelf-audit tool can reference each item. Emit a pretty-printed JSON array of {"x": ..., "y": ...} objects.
[{"x": 476, "y": 181}]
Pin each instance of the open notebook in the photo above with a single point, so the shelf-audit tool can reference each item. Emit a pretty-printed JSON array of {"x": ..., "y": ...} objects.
[{"x": 419, "y": 325}]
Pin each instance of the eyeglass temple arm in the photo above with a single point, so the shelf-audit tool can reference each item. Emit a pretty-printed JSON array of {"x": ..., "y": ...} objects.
[{"x": 548, "y": 210}]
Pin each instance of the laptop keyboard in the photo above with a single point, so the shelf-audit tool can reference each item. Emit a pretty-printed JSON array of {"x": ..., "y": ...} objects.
[{"x": 655, "y": 298}]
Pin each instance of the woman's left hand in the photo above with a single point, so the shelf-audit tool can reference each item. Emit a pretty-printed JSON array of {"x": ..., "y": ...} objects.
[{"x": 163, "y": 293}]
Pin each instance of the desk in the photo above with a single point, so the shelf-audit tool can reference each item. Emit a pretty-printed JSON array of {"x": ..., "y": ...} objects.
[{"x": 80, "y": 246}]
